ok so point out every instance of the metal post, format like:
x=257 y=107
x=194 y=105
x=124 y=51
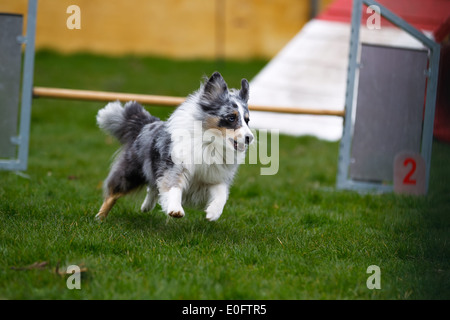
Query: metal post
x=345 y=145
x=27 y=88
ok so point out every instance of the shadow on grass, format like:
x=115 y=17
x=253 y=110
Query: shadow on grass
x=193 y=226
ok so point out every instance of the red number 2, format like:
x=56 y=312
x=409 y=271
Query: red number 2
x=408 y=179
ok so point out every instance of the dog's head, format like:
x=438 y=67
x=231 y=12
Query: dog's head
x=226 y=111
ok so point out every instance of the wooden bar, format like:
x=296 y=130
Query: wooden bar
x=295 y=110
x=89 y=95
x=105 y=96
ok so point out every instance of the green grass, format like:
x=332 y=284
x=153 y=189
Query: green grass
x=287 y=236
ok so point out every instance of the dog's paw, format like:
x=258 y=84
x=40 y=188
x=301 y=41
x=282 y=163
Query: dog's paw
x=213 y=214
x=176 y=212
x=100 y=216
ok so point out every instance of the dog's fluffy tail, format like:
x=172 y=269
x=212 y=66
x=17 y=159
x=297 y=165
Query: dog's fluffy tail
x=124 y=123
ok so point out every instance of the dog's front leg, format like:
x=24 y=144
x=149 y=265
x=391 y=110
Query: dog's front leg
x=218 y=195
x=174 y=208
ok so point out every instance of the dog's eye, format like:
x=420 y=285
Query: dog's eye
x=231 y=118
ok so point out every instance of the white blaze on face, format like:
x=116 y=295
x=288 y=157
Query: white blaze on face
x=244 y=130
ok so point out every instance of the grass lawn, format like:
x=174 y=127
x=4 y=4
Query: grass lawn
x=287 y=236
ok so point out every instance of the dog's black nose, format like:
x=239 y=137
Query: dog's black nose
x=248 y=139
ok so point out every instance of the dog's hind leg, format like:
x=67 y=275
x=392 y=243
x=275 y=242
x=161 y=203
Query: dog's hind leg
x=120 y=181
x=150 y=199
x=108 y=203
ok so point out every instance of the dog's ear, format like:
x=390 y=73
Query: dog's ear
x=215 y=87
x=243 y=93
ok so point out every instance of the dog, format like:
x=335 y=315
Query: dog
x=179 y=166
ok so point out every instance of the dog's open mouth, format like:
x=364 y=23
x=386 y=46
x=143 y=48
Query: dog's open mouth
x=238 y=146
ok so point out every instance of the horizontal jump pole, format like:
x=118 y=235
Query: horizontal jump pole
x=89 y=95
